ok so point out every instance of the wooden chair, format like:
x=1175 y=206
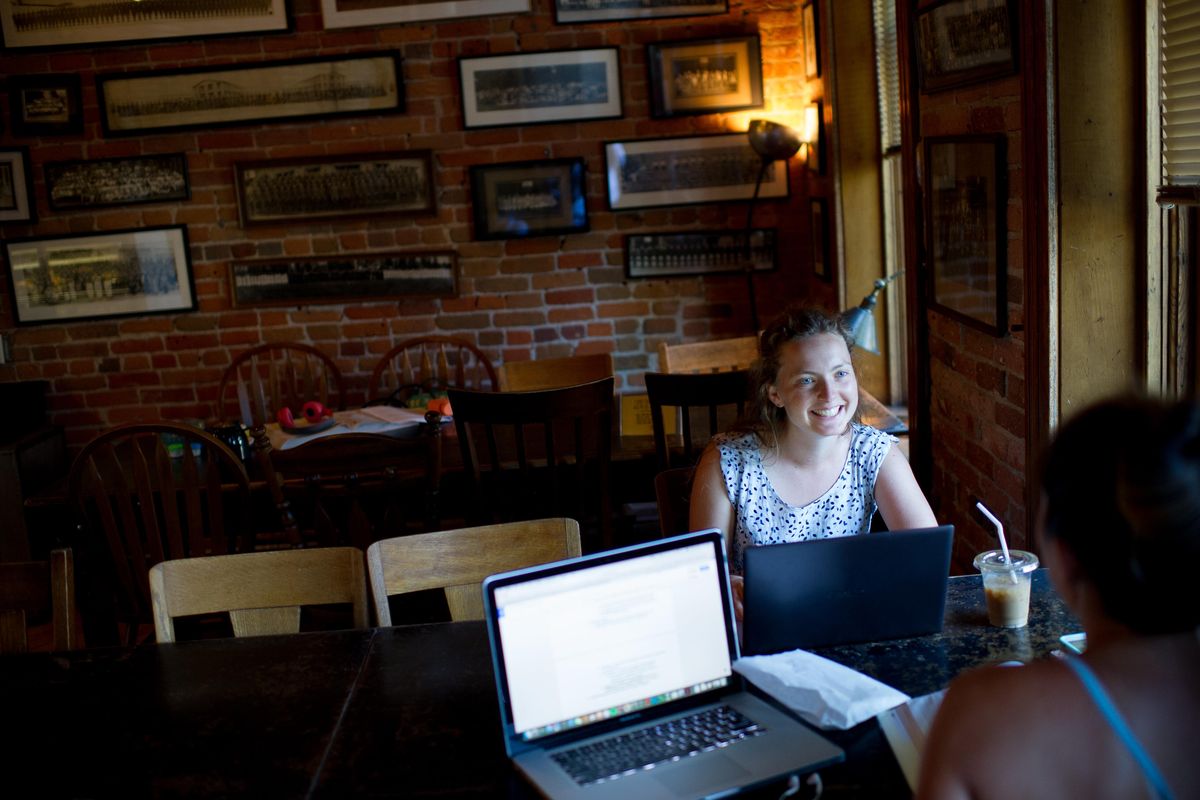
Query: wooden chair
x=673 y=493
x=554 y=373
x=263 y=592
x=138 y=506
x=714 y=356
x=33 y=590
x=262 y=380
x=458 y=560
x=356 y=488
x=722 y=395
x=435 y=362
x=538 y=454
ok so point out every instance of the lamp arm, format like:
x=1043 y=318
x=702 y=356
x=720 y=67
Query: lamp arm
x=747 y=250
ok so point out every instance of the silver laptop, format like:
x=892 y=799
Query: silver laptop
x=615 y=678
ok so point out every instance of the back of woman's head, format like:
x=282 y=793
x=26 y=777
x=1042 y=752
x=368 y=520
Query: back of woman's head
x=1122 y=490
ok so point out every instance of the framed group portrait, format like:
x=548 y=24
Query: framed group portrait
x=131 y=180
x=684 y=253
x=529 y=198
x=343 y=277
x=16 y=186
x=363 y=13
x=704 y=76
x=961 y=42
x=567 y=12
x=45 y=105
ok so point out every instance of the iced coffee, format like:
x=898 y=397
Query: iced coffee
x=1006 y=584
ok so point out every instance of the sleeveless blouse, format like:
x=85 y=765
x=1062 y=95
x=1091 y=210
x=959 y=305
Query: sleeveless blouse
x=763 y=517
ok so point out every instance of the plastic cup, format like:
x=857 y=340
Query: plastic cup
x=1006 y=586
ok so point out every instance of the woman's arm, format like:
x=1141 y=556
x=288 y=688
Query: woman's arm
x=900 y=499
x=710 y=507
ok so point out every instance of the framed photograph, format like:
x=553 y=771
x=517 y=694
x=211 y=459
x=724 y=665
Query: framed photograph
x=335 y=187
x=234 y=94
x=363 y=13
x=567 y=12
x=529 y=88
x=812 y=40
x=669 y=255
x=529 y=198
x=45 y=105
x=72 y=23
x=16 y=186
x=116 y=181
x=965 y=198
x=344 y=277
x=82 y=276
x=961 y=42
x=820 y=239
x=704 y=76
x=686 y=170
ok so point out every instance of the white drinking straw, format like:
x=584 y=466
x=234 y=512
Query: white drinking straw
x=1000 y=533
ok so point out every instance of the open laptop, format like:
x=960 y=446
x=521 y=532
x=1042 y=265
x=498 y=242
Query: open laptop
x=603 y=653
x=865 y=588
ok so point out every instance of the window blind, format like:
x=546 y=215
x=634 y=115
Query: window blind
x=887 y=74
x=1179 y=82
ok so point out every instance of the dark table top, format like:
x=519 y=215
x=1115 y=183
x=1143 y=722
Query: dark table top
x=403 y=712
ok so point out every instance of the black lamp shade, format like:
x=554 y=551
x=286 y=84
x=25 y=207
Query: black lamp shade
x=773 y=141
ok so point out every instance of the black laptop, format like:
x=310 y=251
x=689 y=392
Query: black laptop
x=865 y=588
x=615 y=676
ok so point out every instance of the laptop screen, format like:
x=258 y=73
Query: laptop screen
x=612 y=637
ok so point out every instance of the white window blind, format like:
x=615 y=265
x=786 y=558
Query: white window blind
x=887 y=74
x=1179 y=77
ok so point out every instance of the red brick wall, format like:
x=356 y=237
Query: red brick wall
x=539 y=297
x=977 y=380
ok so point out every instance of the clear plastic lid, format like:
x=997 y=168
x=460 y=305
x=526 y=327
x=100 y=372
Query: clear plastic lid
x=1019 y=561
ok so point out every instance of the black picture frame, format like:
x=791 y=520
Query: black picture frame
x=966 y=233
x=687 y=253
x=960 y=42
x=345 y=277
x=704 y=76
x=811 y=20
x=710 y=168
x=569 y=12
x=333 y=187
x=544 y=87
x=100 y=275
x=819 y=213
x=45 y=105
x=529 y=198
x=17 y=202
x=352 y=84
x=122 y=181
x=349 y=14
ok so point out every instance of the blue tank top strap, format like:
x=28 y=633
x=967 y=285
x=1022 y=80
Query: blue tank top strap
x=1104 y=703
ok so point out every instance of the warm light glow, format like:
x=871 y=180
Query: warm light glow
x=812 y=125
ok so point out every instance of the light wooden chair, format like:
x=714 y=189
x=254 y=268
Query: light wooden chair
x=435 y=362
x=35 y=589
x=262 y=380
x=263 y=592
x=719 y=355
x=554 y=373
x=457 y=561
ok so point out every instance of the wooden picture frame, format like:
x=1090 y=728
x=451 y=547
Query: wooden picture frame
x=544 y=87
x=87 y=276
x=714 y=168
x=567 y=12
x=73 y=23
x=812 y=39
x=960 y=42
x=17 y=203
x=353 y=84
x=529 y=198
x=364 y=13
x=966 y=234
x=819 y=213
x=333 y=187
x=704 y=76
x=127 y=181
x=343 y=278
x=45 y=105
x=685 y=253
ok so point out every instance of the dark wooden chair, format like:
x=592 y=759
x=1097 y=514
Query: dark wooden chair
x=718 y=397
x=262 y=592
x=32 y=591
x=356 y=488
x=262 y=380
x=139 y=505
x=531 y=455
x=673 y=494
x=430 y=362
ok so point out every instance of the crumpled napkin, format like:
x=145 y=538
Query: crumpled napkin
x=823 y=692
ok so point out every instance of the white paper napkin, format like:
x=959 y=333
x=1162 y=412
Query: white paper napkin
x=823 y=692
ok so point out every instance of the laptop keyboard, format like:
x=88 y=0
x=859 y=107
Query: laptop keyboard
x=627 y=753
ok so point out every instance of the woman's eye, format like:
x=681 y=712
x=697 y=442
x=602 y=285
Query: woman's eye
x=842 y=373
x=806 y=381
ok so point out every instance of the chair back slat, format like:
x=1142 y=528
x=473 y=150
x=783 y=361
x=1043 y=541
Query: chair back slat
x=261 y=380
x=441 y=362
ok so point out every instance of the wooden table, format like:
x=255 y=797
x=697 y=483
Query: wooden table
x=393 y=712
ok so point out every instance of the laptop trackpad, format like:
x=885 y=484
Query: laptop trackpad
x=704 y=775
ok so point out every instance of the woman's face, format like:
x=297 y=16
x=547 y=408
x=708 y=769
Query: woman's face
x=816 y=385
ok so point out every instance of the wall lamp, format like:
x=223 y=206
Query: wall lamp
x=772 y=142
x=861 y=318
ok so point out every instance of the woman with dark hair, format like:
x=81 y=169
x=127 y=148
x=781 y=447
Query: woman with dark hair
x=1120 y=533
x=803 y=468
